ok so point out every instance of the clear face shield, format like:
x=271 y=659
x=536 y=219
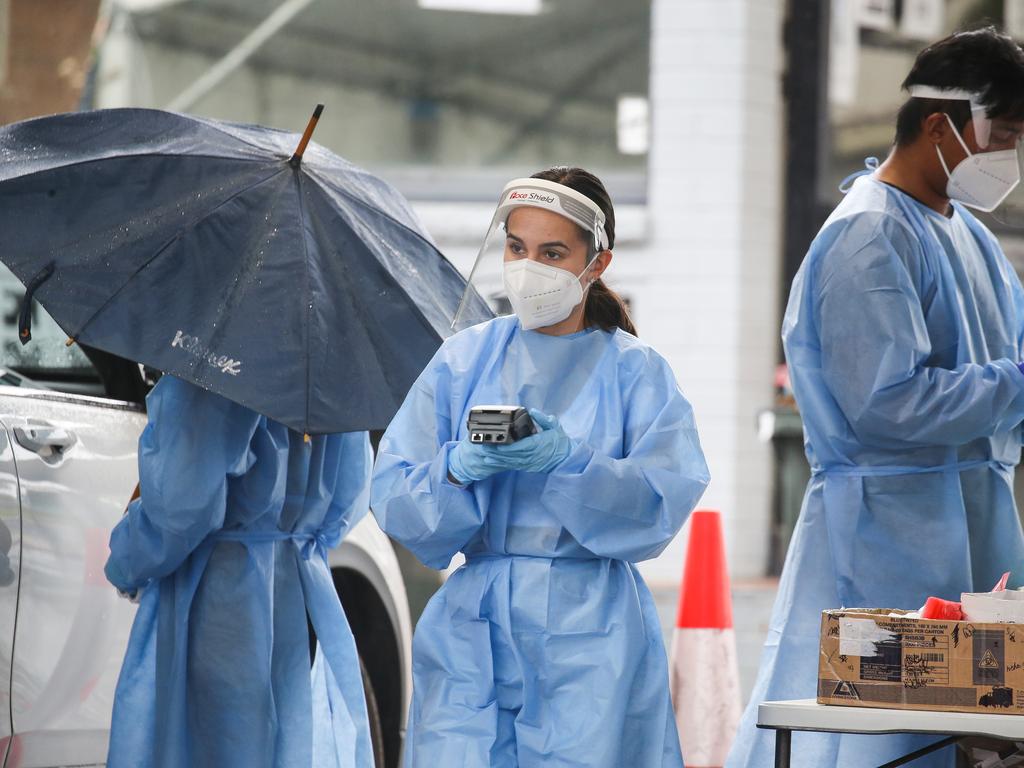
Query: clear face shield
x=991 y=135
x=536 y=256
x=991 y=169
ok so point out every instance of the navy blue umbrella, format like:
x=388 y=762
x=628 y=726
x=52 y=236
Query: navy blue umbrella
x=285 y=279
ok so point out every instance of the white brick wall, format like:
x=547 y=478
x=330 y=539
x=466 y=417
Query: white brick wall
x=716 y=209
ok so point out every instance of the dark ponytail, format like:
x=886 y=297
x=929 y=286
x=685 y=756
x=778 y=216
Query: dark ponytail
x=604 y=307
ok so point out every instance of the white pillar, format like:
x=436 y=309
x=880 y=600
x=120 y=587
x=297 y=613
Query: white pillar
x=710 y=271
x=120 y=66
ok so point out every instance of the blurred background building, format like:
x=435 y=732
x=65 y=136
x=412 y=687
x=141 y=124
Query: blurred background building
x=721 y=127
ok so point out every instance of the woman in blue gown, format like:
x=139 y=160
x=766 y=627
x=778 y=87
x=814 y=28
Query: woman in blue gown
x=225 y=551
x=545 y=647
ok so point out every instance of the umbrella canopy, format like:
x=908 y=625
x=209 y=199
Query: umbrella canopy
x=305 y=290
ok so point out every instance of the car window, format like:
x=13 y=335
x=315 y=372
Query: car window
x=49 y=362
x=46 y=358
x=12 y=379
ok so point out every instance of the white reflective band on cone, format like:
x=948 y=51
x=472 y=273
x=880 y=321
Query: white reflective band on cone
x=705 y=683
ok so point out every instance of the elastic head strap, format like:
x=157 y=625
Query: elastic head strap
x=958 y=138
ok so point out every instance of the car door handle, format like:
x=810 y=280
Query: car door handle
x=42 y=438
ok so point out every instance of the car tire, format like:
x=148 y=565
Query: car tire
x=373 y=716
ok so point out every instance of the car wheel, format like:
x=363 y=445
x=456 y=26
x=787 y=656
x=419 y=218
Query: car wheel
x=373 y=715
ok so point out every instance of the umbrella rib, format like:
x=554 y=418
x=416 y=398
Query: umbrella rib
x=395 y=280
x=412 y=231
x=139 y=155
x=312 y=174
x=167 y=245
x=219 y=129
x=355 y=301
x=309 y=292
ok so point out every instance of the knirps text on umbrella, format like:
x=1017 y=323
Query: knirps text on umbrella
x=194 y=346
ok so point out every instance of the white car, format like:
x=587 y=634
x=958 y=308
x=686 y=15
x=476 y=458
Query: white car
x=67 y=470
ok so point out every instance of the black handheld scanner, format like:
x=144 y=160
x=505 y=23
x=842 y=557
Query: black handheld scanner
x=499 y=424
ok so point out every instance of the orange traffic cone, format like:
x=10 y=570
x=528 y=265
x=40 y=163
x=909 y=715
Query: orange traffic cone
x=704 y=677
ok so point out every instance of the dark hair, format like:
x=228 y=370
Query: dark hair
x=604 y=307
x=981 y=61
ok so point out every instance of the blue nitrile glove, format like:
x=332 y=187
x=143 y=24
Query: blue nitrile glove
x=540 y=452
x=132 y=597
x=1020 y=367
x=468 y=462
x=121 y=584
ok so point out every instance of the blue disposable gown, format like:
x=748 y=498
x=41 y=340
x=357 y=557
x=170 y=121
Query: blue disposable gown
x=545 y=647
x=228 y=544
x=902 y=333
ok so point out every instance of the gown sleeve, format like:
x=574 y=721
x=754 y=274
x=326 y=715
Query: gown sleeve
x=631 y=508
x=412 y=498
x=194 y=442
x=350 y=495
x=1017 y=292
x=1018 y=306
x=875 y=348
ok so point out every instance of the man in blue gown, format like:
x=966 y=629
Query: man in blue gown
x=903 y=336
x=226 y=553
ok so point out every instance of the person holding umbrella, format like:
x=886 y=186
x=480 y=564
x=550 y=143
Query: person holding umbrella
x=290 y=298
x=545 y=648
x=225 y=551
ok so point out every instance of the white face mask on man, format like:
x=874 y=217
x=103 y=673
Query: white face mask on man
x=983 y=180
x=540 y=294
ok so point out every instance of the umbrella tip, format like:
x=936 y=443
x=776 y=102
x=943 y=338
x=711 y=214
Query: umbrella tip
x=70 y=342
x=307 y=134
x=306 y=438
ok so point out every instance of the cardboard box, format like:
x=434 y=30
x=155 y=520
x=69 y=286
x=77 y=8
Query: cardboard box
x=871 y=659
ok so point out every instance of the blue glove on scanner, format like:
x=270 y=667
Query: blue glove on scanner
x=540 y=452
x=468 y=462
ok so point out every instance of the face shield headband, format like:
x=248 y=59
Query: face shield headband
x=552 y=196
x=979 y=114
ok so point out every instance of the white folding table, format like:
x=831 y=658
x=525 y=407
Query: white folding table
x=784 y=717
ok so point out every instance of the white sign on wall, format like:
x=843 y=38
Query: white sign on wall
x=1013 y=15
x=923 y=19
x=877 y=14
x=843 y=53
x=633 y=125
